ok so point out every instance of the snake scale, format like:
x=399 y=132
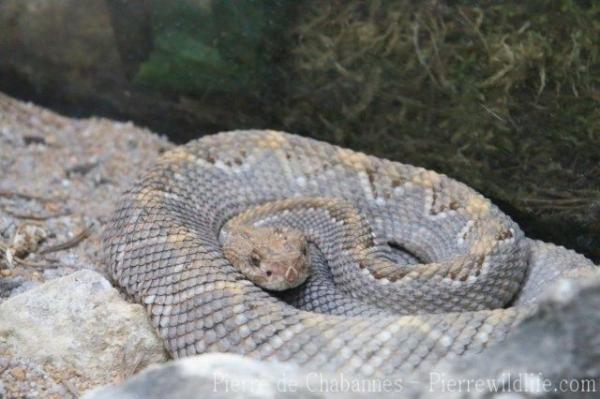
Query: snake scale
x=409 y=267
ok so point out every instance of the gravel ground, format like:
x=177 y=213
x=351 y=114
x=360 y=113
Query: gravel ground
x=59 y=178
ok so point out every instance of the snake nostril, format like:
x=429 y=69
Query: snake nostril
x=291 y=274
x=269 y=273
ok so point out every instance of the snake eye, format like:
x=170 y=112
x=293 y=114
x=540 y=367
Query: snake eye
x=255 y=260
x=304 y=250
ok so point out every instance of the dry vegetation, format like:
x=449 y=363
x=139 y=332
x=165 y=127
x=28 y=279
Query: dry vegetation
x=504 y=97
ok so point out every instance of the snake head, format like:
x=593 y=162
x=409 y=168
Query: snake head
x=274 y=258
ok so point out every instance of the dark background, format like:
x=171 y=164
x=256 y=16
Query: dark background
x=501 y=95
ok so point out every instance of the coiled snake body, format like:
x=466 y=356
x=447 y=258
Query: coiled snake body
x=409 y=267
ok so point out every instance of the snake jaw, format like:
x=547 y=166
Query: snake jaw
x=277 y=274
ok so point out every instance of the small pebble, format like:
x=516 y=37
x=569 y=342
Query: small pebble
x=18 y=373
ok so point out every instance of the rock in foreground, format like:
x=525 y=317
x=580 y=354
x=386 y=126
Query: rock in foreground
x=79 y=324
x=220 y=375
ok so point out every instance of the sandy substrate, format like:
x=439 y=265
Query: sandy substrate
x=59 y=179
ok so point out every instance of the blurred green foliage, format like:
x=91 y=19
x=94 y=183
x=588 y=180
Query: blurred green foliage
x=222 y=46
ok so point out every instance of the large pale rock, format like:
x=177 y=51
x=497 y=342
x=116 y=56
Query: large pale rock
x=80 y=322
x=221 y=375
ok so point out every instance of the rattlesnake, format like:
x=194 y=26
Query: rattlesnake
x=408 y=266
